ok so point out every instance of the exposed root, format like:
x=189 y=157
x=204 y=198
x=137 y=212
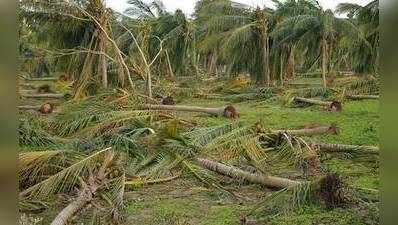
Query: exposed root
x=329 y=190
x=231 y=112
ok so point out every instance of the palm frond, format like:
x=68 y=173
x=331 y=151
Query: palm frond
x=66 y=179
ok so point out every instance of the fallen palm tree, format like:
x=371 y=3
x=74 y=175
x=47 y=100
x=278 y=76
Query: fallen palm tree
x=40 y=79
x=347 y=148
x=332 y=106
x=46 y=108
x=362 y=97
x=332 y=129
x=228 y=111
x=44 y=96
x=326 y=188
x=233 y=172
x=99 y=178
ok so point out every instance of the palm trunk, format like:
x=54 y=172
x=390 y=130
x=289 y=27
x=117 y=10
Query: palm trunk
x=236 y=173
x=172 y=76
x=68 y=212
x=281 y=70
x=211 y=111
x=103 y=64
x=266 y=59
x=40 y=79
x=44 y=96
x=311 y=131
x=347 y=148
x=149 y=83
x=333 y=106
x=324 y=62
x=86 y=195
x=362 y=97
x=293 y=63
x=213 y=62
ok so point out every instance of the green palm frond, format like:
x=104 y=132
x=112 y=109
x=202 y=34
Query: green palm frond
x=66 y=179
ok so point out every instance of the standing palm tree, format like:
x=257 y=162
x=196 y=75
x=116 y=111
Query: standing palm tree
x=244 y=37
x=78 y=32
x=366 y=18
x=312 y=29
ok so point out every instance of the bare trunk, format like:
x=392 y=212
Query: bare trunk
x=44 y=96
x=293 y=63
x=333 y=106
x=233 y=172
x=103 y=64
x=149 y=83
x=311 y=131
x=41 y=79
x=266 y=59
x=362 y=97
x=29 y=107
x=281 y=70
x=172 y=76
x=211 y=111
x=324 y=62
x=347 y=148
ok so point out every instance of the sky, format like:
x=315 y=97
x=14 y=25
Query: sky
x=187 y=6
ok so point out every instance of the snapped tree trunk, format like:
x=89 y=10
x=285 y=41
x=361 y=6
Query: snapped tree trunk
x=222 y=111
x=333 y=106
x=332 y=129
x=233 y=172
x=347 y=148
x=362 y=97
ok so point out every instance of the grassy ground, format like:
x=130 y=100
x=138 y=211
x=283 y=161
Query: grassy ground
x=189 y=202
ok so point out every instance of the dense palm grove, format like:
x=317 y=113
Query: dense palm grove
x=114 y=125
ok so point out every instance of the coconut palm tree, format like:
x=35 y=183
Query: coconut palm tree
x=78 y=33
x=244 y=37
x=366 y=18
